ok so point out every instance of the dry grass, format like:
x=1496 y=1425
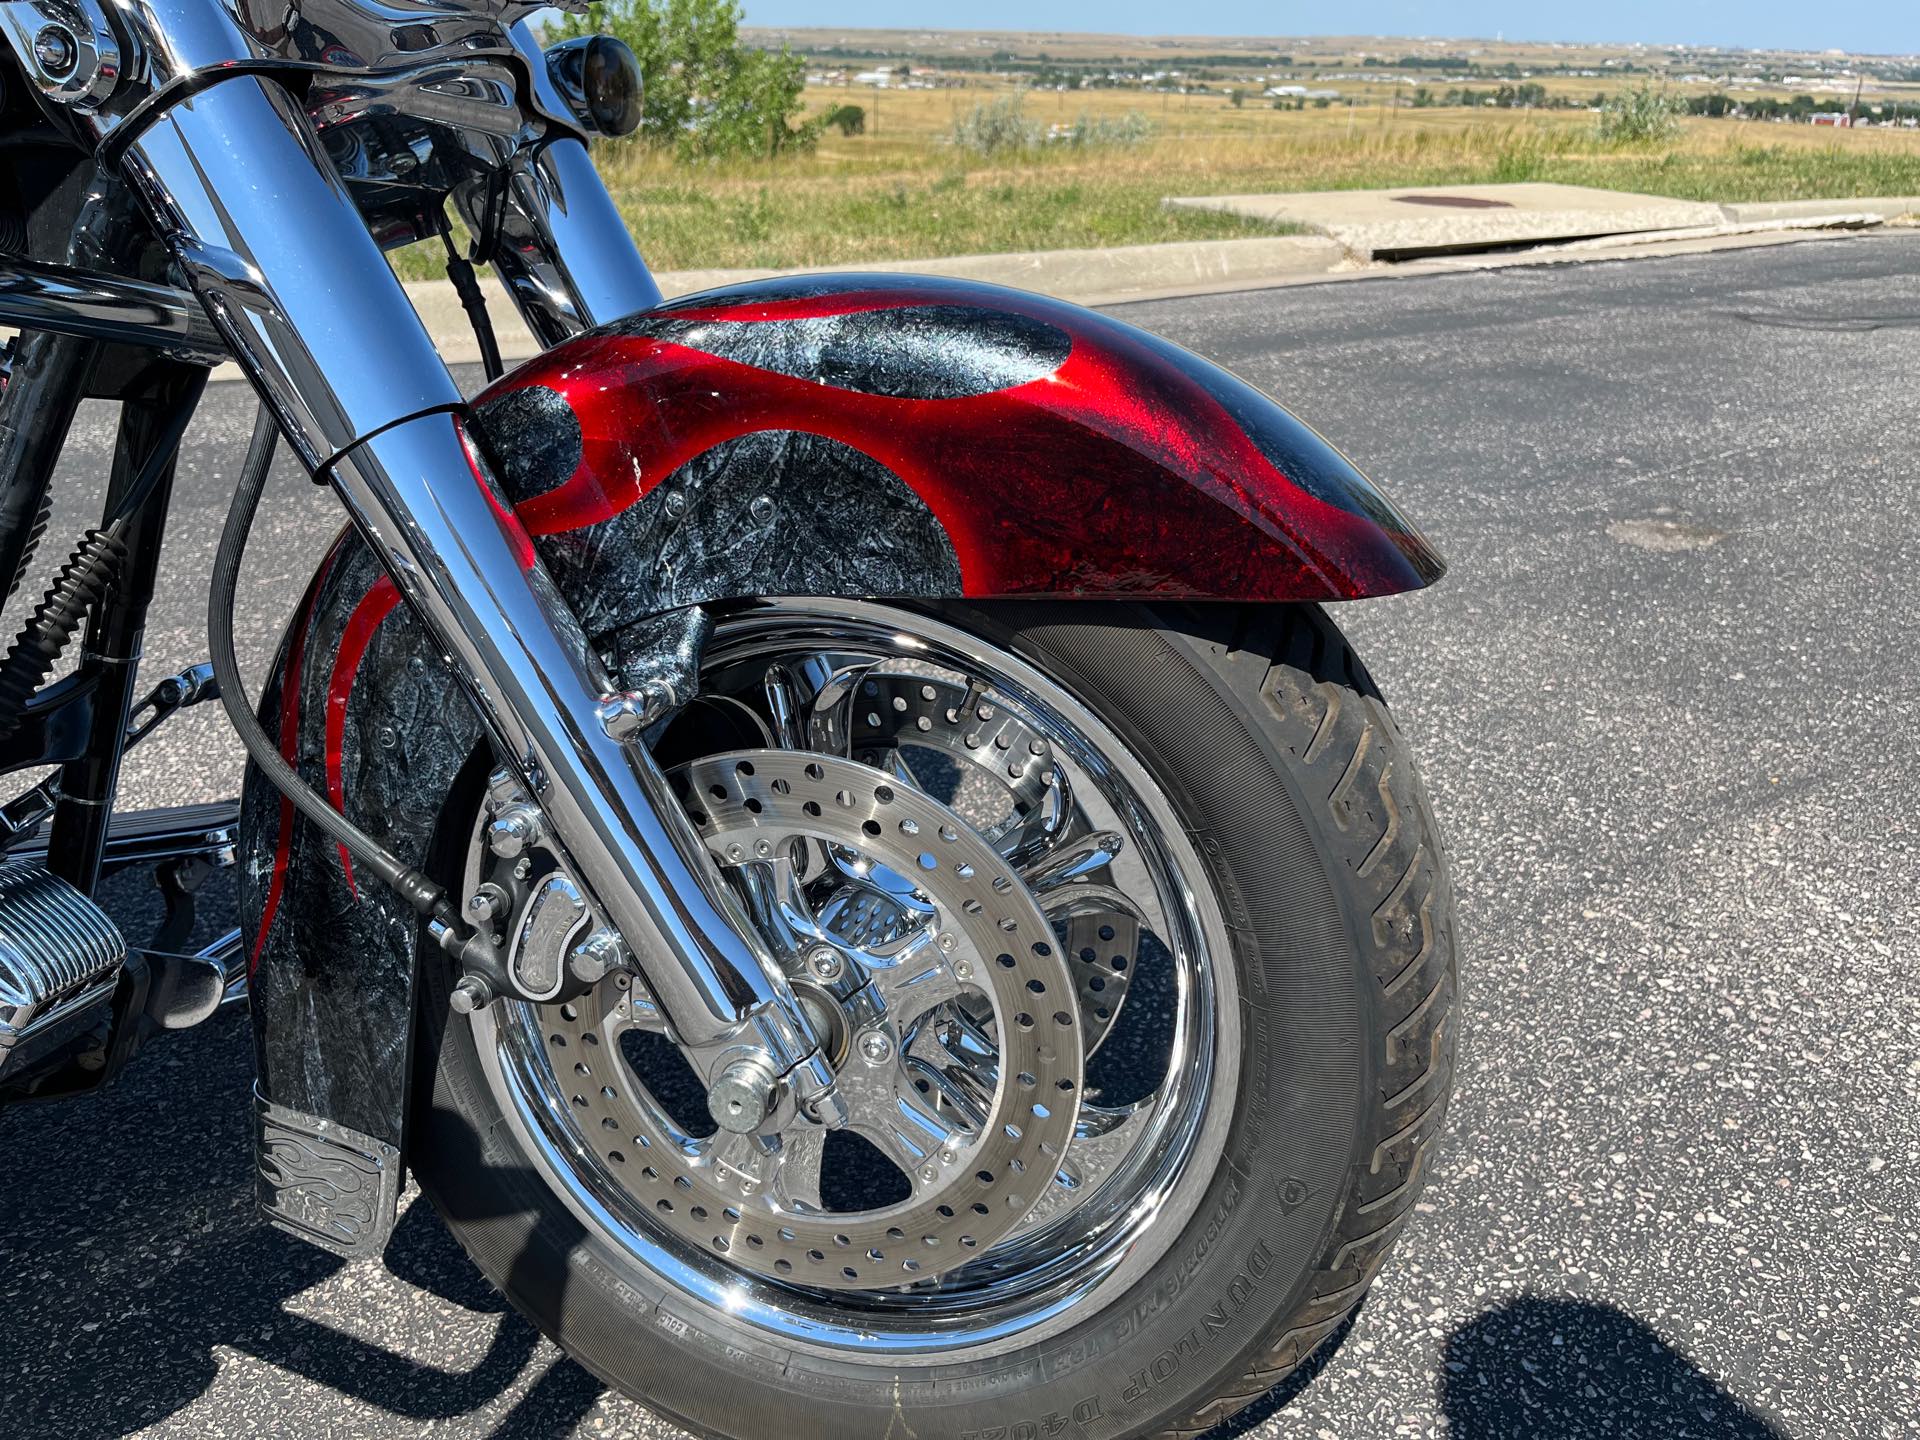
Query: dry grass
x=901 y=192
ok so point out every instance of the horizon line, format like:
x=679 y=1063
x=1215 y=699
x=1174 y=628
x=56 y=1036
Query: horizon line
x=1830 y=50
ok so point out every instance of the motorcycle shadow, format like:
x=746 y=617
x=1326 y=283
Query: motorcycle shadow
x=133 y=1268
x=1547 y=1366
x=1538 y=1368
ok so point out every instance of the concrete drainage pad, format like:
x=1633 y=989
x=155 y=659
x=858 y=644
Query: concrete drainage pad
x=1446 y=219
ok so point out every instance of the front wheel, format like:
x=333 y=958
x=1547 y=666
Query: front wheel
x=1129 y=934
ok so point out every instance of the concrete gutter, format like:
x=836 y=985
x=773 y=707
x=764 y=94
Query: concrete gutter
x=1650 y=246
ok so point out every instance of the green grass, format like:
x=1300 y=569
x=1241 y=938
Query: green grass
x=909 y=196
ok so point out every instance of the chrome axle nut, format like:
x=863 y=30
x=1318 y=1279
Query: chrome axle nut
x=742 y=1098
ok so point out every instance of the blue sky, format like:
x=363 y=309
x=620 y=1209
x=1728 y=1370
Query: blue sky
x=1879 y=26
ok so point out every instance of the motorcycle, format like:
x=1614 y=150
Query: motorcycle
x=824 y=821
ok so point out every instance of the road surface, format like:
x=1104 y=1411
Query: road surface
x=1668 y=707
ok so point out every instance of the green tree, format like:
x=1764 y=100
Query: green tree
x=706 y=93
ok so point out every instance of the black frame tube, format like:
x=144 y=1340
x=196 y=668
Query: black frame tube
x=37 y=408
x=116 y=630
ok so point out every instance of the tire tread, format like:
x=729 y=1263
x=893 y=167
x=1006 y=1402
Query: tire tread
x=1322 y=707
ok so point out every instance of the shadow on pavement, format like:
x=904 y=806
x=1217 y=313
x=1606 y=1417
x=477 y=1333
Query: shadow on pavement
x=1556 y=1369
x=132 y=1253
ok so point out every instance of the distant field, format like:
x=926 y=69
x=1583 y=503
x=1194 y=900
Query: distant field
x=901 y=191
x=904 y=193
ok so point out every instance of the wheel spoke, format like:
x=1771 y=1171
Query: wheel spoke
x=781 y=691
x=1071 y=861
x=1102 y=1139
x=1099 y=930
x=916 y=978
x=1042 y=830
x=777 y=901
x=960 y=1061
x=887 y=1110
x=829 y=712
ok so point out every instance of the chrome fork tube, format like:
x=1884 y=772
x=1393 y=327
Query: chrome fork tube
x=421 y=493
x=237 y=183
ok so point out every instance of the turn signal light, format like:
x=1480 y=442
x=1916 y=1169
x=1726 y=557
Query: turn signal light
x=599 y=78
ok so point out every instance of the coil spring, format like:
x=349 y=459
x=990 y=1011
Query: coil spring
x=35 y=533
x=93 y=566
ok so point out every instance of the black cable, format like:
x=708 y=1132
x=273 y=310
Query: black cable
x=165 y=446
x=493 y=216
x=419 y=891
x=460 y=272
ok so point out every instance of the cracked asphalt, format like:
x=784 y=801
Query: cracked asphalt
x=1666 y=704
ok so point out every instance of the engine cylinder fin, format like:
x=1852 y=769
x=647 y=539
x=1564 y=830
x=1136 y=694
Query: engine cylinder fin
x=58 y=952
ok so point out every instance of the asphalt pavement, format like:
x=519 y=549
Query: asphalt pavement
x=1666 y=704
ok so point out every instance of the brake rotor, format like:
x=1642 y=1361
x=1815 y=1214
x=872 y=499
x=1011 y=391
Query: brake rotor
x=820 y=836
x=890 y=711
x=882 y=715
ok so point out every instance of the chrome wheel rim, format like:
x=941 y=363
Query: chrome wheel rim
x=1100 y=849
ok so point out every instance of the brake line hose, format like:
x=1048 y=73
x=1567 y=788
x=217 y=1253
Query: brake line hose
x=419 y=891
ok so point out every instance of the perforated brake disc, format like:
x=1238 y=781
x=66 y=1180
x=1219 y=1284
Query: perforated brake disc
x=1002 y=762
x=808 y=838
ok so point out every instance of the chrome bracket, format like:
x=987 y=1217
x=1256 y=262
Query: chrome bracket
x=324 y=1182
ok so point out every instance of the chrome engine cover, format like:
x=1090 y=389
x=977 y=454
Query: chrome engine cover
x=59 y=958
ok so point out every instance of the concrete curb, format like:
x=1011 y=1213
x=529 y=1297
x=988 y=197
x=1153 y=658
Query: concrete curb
x=1894 y=208
x=1184 y=268
x=1087 y=277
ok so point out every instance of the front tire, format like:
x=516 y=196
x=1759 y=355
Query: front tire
x=1276 y=759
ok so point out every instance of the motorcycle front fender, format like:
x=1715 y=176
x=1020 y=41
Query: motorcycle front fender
x=885 y=437
x=938 y=438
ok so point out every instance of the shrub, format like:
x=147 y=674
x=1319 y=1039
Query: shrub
x=1001 y=127
x=1642 y=115
x=1101 y=132
x=847 y=119
x=995 y=127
